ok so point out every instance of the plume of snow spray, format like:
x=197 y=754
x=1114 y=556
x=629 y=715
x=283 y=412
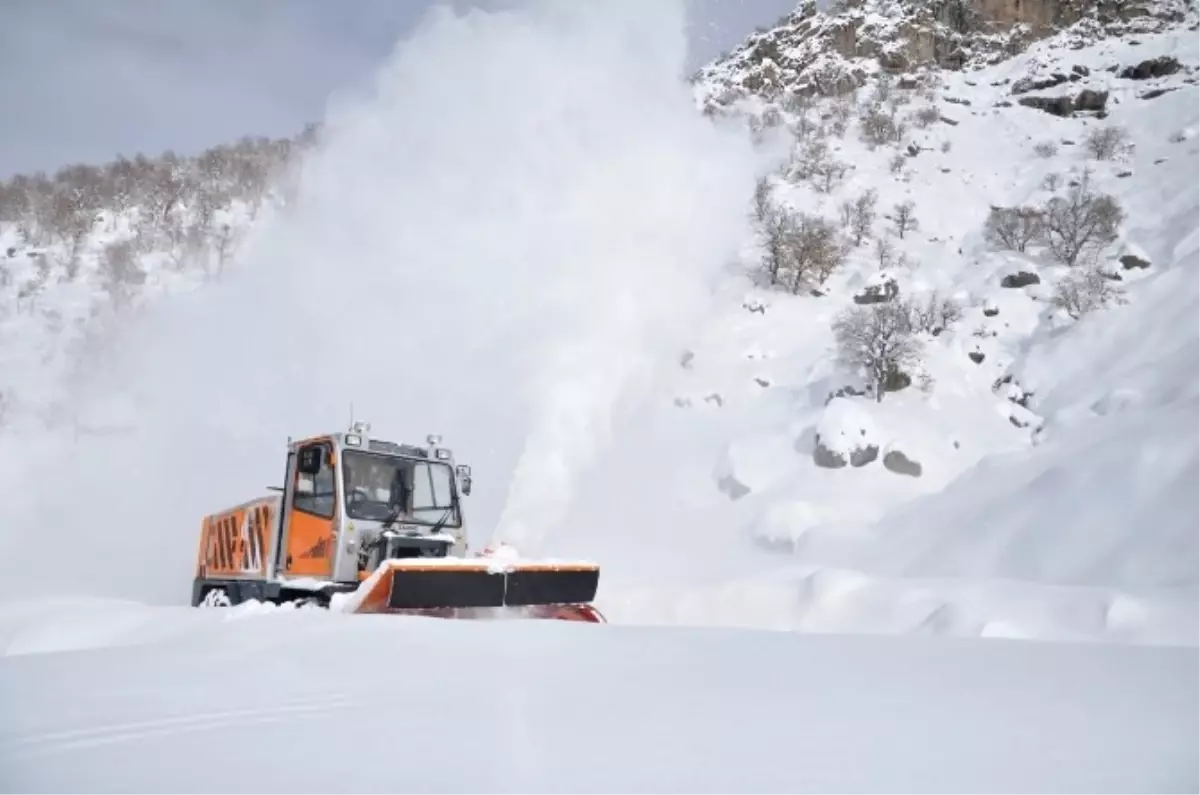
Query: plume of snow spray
x=497 y=246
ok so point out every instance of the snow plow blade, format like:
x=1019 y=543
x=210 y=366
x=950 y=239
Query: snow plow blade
x=480 y=589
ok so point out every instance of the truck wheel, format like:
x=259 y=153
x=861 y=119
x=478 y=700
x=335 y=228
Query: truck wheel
x=216 y=597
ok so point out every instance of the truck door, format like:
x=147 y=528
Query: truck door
x=310 y=537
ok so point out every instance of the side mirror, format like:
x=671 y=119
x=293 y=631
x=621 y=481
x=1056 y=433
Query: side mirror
x=466 y=487
x=311 y=459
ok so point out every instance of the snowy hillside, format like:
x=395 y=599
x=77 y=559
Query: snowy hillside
x=1043 y=461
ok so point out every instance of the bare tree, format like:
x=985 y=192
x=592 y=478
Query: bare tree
x=816 y=252
x=1083 y=291
x=878 y=341
x=1082 y=223
x=1013 y=228
x=862 y=216
x=827 y=174
x=903 y=216
x=885 y=252
x=778 y=230
x=1104 y=143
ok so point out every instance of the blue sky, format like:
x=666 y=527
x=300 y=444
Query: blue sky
x=84 y=80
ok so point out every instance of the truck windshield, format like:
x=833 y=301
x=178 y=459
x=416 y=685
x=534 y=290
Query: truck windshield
x=379 y=487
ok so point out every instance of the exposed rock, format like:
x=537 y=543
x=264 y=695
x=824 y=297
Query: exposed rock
x=1152 y=67
x=1131 y=261
x=1156 y=92
x=862 y=456
x=878 y=293
x=1091 y=100
x=896 y=380
x=845 y=391
x=826 y=458
x=1020 y=279
x=990 y=309
x=1056 y=106
x=1080 y=70
x=733 y=487
x=898 y=462
x=1027 y=84
x=715 y=398
x=976 y=356
x=685 y=361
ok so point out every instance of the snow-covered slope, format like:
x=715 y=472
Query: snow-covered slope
x=105 y=697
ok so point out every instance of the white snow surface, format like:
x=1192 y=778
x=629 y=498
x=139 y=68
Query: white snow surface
x=124 y=698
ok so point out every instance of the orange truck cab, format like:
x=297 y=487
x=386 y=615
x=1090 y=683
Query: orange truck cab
x=382 y=521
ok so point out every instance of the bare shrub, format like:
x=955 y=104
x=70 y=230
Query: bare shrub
x=120 y=273
x=1084 y=291
x=896 y=164
x=842 y=109
x=933 y=315
x=926 y=116
x=877 y=126
x=904 y=217
x=1045 y=148
x=1013 y=228
x=946 y=146
x=1051 y=181
x=862 y=215
x=876 y=340
x=1105 y=143
x=1081 y=224
x=761 y=207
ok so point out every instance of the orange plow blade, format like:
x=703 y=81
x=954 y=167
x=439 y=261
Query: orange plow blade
x=481 y=588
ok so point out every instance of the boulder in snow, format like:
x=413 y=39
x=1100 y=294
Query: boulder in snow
x=1152 y=67
x=1020 y=279
x=1091 y=100
x=898 y=462
x=1131 y=261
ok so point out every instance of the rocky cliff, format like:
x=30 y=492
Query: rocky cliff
x=810 y=51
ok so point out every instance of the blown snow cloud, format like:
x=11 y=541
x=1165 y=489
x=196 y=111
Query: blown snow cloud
x=499 y=246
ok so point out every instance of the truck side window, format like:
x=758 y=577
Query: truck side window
x=315 y=494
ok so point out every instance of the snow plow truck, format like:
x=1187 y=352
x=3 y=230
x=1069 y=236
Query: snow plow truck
x=363 y=525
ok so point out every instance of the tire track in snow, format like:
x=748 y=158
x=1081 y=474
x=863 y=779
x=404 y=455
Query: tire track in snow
x=48 y=743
